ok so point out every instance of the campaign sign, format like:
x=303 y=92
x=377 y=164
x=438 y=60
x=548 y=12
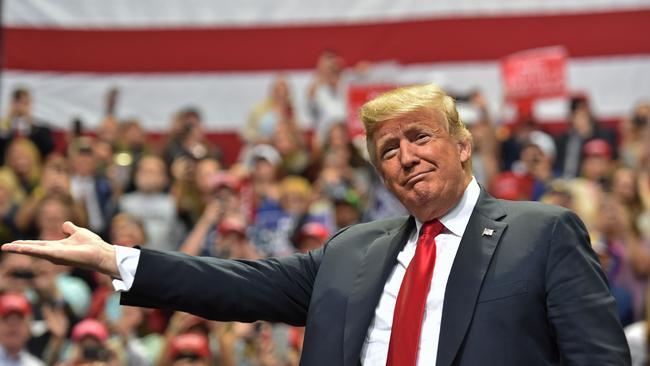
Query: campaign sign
x=357 y=96
x=535 y=73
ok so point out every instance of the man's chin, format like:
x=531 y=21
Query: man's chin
x=419 y=207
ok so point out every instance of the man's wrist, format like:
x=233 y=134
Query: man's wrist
x=109 y=263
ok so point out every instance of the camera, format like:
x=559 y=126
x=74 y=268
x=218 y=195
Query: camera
x=639 y=120
x=95 y=353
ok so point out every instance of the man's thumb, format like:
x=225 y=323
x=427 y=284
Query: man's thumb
x=69 y=228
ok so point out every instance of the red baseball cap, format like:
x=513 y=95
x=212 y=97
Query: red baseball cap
x=507 y=186
x=90 y=328
x=191 y=343
x=315 y=230
x=597 y=147
x=14 y=303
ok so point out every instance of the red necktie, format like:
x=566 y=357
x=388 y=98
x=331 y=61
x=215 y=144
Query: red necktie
x=412 y=297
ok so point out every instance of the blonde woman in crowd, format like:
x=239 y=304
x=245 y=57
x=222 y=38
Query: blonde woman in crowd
x=24 y=162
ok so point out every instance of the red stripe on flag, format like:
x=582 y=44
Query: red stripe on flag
x=275 y=48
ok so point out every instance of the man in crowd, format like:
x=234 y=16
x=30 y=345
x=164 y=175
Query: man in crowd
x=89 y=188
x=15 y=316
x=502 y=283
x=20 y=122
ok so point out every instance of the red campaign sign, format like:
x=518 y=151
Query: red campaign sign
x=534 y=73
x=357 y=96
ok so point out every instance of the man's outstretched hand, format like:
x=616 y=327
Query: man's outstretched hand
x=82 y=248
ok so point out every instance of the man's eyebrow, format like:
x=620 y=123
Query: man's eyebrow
x=415 y=127
x=385 y=139
x=419 y=127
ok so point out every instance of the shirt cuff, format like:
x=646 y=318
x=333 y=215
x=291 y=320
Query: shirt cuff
x=127 y=259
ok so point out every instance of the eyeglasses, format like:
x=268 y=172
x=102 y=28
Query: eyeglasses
x=22 y=274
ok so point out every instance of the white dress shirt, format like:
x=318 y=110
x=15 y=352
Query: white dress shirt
x=375 y=346
x=127 y=259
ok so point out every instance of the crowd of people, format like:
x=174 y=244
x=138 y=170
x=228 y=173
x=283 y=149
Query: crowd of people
x=287 y=192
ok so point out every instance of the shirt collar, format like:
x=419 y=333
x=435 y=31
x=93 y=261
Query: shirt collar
x=457 y=218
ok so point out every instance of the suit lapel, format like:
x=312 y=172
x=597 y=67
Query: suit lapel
x=467 y=273
x=372 y=274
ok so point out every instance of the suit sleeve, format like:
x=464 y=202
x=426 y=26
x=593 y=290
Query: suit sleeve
x=273 y=289
x=581 y=310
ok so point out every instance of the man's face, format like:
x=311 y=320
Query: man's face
x=84 y=163
x=126 y=233
x=16 y=272
x=421 y=163
x=22 y=107
x=596 y=167
x=19 y=159
x=151 y=176
x=51 y=216
x=56 y=178
x=14 y=331
x=264 y=171
x=346 y=215
x=134 y=136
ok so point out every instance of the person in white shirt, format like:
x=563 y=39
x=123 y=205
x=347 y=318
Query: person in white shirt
x=155 y=207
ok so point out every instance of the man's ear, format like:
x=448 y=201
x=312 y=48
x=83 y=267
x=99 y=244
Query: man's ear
x=379 y=174
x=465 y=149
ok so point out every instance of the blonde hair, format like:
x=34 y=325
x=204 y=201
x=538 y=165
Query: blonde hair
x=9 y=181
x=295 y=184
x=32 y=152
x=410 y=99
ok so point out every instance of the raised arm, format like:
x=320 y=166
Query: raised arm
x=82 y=249
x=272 y=289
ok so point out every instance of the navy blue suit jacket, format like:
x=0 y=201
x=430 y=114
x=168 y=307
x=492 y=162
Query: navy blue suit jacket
x=531 y=293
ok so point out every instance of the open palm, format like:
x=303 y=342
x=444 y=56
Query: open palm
x=82 y=248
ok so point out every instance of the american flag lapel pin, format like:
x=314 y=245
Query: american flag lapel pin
x=488 y=232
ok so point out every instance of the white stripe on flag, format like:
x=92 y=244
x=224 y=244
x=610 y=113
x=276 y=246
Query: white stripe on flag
x=613 y=83
x=211 y=13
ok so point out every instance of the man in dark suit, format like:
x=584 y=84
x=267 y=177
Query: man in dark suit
x=487 y=282
x=90 y=188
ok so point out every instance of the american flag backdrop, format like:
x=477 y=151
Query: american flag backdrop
x=222 y=55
